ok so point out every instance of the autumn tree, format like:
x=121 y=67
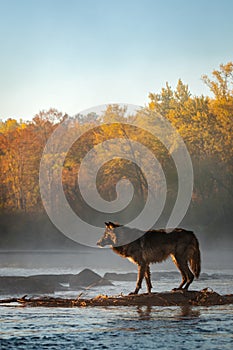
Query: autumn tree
x=204 y=123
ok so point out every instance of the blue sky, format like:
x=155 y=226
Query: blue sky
x=75 y=54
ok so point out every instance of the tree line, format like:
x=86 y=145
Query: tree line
x=204 y=123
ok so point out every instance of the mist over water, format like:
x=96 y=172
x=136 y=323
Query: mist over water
x=216 y=254
x=42 y=250
x=117 y=327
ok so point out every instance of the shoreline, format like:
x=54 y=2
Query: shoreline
x=205 y=297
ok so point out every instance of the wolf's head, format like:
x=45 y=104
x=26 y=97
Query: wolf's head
x=116 y=235
x=110 y=235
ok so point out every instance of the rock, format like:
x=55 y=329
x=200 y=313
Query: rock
x=87 y=278
x=47 y=284
x=132 y=276
x=112 y=276
x=25 y=285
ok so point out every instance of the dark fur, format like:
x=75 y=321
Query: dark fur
x=155 y=246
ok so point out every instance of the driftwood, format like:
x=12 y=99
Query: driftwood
x=205 y=297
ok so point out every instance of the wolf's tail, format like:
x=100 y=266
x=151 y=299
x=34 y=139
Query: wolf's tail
x=195 y=259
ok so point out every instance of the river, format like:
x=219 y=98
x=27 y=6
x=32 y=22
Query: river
x=119 y=327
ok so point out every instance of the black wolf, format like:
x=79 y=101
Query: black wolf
x=155 y=246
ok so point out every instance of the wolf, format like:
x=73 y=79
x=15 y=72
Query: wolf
x=155 y=246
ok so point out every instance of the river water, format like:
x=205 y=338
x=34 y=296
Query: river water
x=119 y=327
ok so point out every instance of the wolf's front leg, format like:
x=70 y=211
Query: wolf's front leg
x=148 y=279
x=141 y=273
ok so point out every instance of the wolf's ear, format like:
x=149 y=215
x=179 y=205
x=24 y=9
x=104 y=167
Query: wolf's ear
x=111 y=224
x=114 y=224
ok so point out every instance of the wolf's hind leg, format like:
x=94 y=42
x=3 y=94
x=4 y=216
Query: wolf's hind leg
x=190 y=279
x=148 y=279
x=183 y=274
x=187 y=276
x=188 y=272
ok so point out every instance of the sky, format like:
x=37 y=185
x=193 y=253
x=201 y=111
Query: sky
x=75 y=54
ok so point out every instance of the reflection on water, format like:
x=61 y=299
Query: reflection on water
x=188 y=312
x=144 y=313
x=179 y=313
